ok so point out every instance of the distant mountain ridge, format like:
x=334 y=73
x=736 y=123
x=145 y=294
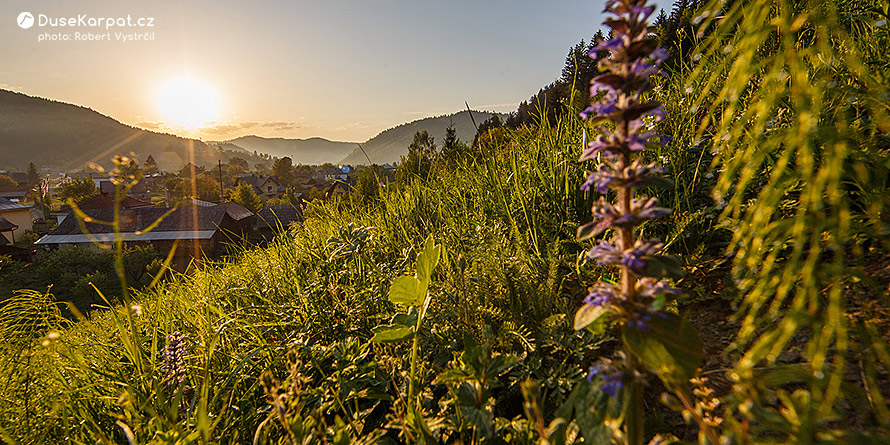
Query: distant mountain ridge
x=392 y=144
x=311 y=151
x=69 y=137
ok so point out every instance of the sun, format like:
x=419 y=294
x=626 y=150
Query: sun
x=187 y=102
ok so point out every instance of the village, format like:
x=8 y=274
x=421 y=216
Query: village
x=199 y=211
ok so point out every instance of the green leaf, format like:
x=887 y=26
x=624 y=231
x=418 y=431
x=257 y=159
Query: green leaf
x=662 y=266
x=588 y=314
x=409 y=319
x=452 y=376
x=391 y=333
x=428 y=259
x=407 y=290
x=588 y=230
x=671 y=347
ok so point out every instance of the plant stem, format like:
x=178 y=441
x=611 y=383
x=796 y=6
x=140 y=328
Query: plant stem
x=414 y=347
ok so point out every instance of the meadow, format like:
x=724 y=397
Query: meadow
x=777 y=152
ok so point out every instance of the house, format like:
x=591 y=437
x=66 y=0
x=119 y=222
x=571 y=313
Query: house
x=100 y=201
x=6 y=226
x=272 y=220
x=96 y=177
x=18 y=194
x=196 y=202
x=18 y=215
x=139 y=190
x=190 y=170
x=263 y=185
x=199 y=231
x=20 y=177
x=338 y=188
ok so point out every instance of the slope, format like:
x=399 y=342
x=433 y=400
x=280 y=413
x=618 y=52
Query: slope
x=390 y=145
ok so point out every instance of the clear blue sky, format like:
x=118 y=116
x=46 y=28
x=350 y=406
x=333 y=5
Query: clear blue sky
x=343 y=70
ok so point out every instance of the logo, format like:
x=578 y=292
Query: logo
x=25 y=20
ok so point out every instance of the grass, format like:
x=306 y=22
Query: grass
x=278 y=343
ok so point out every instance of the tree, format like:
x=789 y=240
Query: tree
x=207 y=188
x=493 y=122
x=244 y=195
x=190 y=170
x=77 y=189
x=452 y=147
x=368 y=184
x=450 y=136
x=174 y=188
x=421 y=154
x=150 y=167
x=283 y=169
x=33 y=175
x=239 y=163
x=6 y=181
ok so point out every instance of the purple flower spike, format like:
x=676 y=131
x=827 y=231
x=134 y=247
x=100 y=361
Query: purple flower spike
x=173 y=359
x=612 y=384
x=618 y=96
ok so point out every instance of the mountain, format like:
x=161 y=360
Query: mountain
x=390 y=145
x=312 y=151
x=69 y=137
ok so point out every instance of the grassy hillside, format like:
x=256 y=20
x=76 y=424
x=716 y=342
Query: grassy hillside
x=778 y=220
x=390 y=145
x=66 y=136
x=312 y=151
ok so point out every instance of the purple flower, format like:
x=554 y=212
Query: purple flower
x=659 y=56
x=601 y=179
x=640 y=321
x=597 y=146
x=613 y=380
x=644 y=208
x=602 y=294
x=605 y=253
x=603 y=108
x=606 y=45
x=651 y=288
x=612 y=383
x=633 y=258
x=642 y=12
x=173 y=359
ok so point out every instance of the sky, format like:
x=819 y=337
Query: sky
x=337 y=69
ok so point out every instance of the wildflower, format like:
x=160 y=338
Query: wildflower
x=613 y=381
x=618 y=95
x=173 y=359
x=650 y=288
x=640 y=321
x=602 y=294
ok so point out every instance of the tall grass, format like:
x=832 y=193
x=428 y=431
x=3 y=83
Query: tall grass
x=507 y=216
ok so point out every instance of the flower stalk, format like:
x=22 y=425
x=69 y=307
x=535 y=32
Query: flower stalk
x=625 y=118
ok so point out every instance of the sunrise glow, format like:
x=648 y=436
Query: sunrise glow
x=188 y=102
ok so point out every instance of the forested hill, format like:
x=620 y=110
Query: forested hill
x=66 y=136
x=311 y=151
x=390 y=145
